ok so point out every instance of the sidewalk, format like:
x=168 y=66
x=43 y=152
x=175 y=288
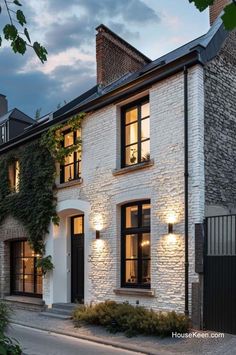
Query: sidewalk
x=146 y=345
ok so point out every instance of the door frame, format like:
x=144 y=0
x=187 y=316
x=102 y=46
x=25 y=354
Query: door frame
x=72 y=262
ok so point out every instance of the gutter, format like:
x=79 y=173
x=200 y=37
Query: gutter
x=186 y=176
x=128 y=89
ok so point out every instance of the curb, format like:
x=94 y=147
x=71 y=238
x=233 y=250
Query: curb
x=93 y=339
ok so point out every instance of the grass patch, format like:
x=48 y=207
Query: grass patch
x=123 y=317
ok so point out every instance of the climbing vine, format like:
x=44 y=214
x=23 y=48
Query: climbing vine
x=53 y=139
x=34 y=205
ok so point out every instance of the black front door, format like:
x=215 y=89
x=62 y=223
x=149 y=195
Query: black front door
x=77 y=259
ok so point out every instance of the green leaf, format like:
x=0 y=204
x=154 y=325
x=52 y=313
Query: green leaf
x=16 y=2
x=201 y=5
x=0 y=41
x=40 y=51
x=27 y=35
x=19 y=45
x=229 y=17
x=10 y=32
x=20 y=17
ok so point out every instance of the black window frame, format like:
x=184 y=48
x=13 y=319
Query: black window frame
x=76 y=164
x=13 y=272
x=140 y=230
x=138 y=103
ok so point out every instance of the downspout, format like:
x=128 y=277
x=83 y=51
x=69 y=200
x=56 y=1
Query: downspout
x=186 y=175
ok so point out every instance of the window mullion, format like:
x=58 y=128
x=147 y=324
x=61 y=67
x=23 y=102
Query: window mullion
x=139 y=134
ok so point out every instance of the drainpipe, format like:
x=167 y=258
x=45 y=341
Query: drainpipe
x=186 y=175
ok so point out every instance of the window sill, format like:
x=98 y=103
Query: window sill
x=69 y=184
x=129 y=169
x=135 y=292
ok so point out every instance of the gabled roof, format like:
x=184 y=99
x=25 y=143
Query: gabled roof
x=207 y=47
x=17 y=115
x=199 y=51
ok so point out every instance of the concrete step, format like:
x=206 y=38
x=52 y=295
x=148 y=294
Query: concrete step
x=65 y=306
x=55 y=315
x=60 y=310
x=65 y=312
x=27 y=303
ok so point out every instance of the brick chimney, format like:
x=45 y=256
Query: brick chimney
x=115 y=56
x=216 y=9
x=3 y=105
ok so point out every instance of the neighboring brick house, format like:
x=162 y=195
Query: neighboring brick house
x=158 y=157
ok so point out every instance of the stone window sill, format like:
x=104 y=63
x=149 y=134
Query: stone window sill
x=135 y=292
x=69 y=184
x=129 y=169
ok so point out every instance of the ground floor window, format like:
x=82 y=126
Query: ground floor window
x=26 y=278
x=135 y=245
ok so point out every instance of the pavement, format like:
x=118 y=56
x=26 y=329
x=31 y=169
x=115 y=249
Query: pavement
x=196 y=343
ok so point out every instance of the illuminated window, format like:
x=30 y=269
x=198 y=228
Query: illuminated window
x=71 y=169
x=14 y=176
x=135 y=243
x=135 y=133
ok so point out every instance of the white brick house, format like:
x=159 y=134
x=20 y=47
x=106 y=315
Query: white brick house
x=106 y=246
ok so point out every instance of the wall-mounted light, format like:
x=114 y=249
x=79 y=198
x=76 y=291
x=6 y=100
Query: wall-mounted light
x=98 y=224
x=170 y=228
x=171 y=220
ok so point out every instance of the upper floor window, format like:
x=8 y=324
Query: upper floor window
x=2 y=134
x=71 y=169
x=135 y=133
x=14 y=174
x=135 y=245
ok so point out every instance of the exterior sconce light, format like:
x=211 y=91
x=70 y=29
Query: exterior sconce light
x=98 y=225
x=171 y=220
x=170 y=228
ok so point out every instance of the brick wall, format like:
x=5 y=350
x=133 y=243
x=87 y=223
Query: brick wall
x=216 y=9
x=115 y=57
x=9 y=230
x=220 y=127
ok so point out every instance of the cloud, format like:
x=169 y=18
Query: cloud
x=31 y=90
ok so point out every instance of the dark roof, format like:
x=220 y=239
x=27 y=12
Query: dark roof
x=198 y=51
x=17 y=115
x=207 y=46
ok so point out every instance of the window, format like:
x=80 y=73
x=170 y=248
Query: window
x=3 y=134
x=135 y=245
x=14 y=174
x=71 y=169
x=26 y=278
x=135 y=133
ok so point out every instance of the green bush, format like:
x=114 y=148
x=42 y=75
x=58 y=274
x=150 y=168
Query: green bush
x=5 y=312
x=8 y=346
x=123 y=317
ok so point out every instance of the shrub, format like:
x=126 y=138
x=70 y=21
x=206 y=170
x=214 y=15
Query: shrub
x=5 y=312
x=8 y=346
x=123 y=317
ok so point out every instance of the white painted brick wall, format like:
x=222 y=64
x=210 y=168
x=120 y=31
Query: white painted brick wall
x=163 y=183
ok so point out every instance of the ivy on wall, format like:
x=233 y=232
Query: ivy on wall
x=34 y=205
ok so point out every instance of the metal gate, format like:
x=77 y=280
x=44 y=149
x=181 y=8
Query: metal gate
x=220 y=274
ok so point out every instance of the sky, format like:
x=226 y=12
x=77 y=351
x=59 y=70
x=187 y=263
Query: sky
x=67 y=29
